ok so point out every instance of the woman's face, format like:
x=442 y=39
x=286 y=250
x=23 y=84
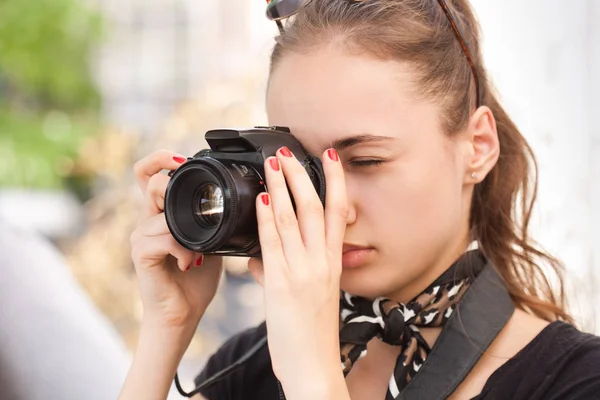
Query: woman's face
x=406 y=180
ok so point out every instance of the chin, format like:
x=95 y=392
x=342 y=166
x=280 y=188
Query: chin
x=370 y=282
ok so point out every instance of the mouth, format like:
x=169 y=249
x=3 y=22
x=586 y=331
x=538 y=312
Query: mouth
x=352 y=247
x=354 y=256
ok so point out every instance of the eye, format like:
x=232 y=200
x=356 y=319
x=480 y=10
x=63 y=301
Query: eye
x=365 y=163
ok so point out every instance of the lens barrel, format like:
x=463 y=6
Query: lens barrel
x=210 y=206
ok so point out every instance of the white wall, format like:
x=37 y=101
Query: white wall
x=593 y=98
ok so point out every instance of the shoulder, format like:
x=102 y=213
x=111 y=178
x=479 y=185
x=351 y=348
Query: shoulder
x=572 y=359
x=254 y=375
x=561 y=362
x=240 y=343
x=562 y=347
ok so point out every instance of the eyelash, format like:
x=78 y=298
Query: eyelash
x=365 y=163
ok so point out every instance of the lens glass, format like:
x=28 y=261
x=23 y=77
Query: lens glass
x=208 y=204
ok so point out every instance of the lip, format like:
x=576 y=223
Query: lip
x=354 y=256
x=350 y=247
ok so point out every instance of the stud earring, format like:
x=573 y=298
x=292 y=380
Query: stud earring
x=474 y=175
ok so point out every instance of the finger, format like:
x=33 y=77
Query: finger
x=271 y=244
x=309 y=208
x=255 y=266
x=152 y=250
x=154 y=199
x=154 y=163
x=198 y=260
x=280 y=212
x=336 y=202
x=154 y=226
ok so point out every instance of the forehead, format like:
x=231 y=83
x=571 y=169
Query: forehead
x=333 y=94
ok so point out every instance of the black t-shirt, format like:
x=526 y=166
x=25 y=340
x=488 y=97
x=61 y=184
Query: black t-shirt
x=560 y=363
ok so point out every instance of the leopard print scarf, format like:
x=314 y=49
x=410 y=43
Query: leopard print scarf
x=398 y=324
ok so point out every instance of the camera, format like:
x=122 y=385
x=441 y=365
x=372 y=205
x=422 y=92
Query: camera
x=210 y=199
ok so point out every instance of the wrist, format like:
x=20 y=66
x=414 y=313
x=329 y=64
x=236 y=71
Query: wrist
x=158 y=353
x=183 y=321
x=172 y=340
x=323 y=382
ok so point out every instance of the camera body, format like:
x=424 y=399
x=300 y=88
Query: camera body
x=210 y=202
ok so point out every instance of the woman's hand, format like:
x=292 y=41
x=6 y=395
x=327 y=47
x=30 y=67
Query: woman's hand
x=300 y=272
x=176 y=284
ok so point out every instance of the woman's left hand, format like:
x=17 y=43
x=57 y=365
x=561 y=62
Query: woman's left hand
x=300 y=273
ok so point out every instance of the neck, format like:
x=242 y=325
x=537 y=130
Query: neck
x=451 y=253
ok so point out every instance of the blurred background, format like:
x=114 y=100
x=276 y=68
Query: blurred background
x=88 y=87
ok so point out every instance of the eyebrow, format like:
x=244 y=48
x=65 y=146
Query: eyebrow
x=345 y=143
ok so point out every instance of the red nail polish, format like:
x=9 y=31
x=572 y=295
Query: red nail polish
x=265 y=199
x=285 y=152
x=199 y=261
x=188 y=267
x=333 y=154
x=274 y=163
x=180 y=160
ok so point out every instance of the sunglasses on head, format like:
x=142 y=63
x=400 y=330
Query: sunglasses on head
x=278 y=10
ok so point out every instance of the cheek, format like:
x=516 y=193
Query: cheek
x=421 y=195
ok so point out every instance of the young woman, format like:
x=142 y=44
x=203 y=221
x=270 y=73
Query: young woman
x=430 y=186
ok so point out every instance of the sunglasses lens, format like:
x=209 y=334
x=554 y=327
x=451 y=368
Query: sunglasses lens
x=280 y=9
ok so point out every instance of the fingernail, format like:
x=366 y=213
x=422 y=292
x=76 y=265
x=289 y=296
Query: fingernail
x=285 y=152
x=333 y=154
x=265 y=199
x=274 y=163
x=199 y=261
x=188 y=267
x=179 y=159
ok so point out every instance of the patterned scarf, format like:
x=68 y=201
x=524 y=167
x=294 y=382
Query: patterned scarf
x=398 y=324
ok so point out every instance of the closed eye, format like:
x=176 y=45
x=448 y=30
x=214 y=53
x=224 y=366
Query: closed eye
x=365 y=163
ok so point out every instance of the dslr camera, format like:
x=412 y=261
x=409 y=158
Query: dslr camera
x=210 y=200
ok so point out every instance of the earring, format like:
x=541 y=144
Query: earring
x=474 y=175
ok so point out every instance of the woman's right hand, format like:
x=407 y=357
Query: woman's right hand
x=176 y=284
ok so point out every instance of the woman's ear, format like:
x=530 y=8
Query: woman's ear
x=484 y=146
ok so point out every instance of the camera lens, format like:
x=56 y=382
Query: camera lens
x=210 y=206
x=208 y=203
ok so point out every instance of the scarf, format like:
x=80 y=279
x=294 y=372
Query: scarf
x=398 y=324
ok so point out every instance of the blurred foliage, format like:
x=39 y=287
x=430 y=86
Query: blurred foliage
x=48 y=101
x=44 y=49
x=38 y=150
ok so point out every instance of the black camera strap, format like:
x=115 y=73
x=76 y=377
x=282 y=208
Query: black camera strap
x=481 y=314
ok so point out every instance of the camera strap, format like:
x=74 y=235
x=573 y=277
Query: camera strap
x=481 y=315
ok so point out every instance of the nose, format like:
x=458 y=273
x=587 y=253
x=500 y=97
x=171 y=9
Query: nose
x=351 y=217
